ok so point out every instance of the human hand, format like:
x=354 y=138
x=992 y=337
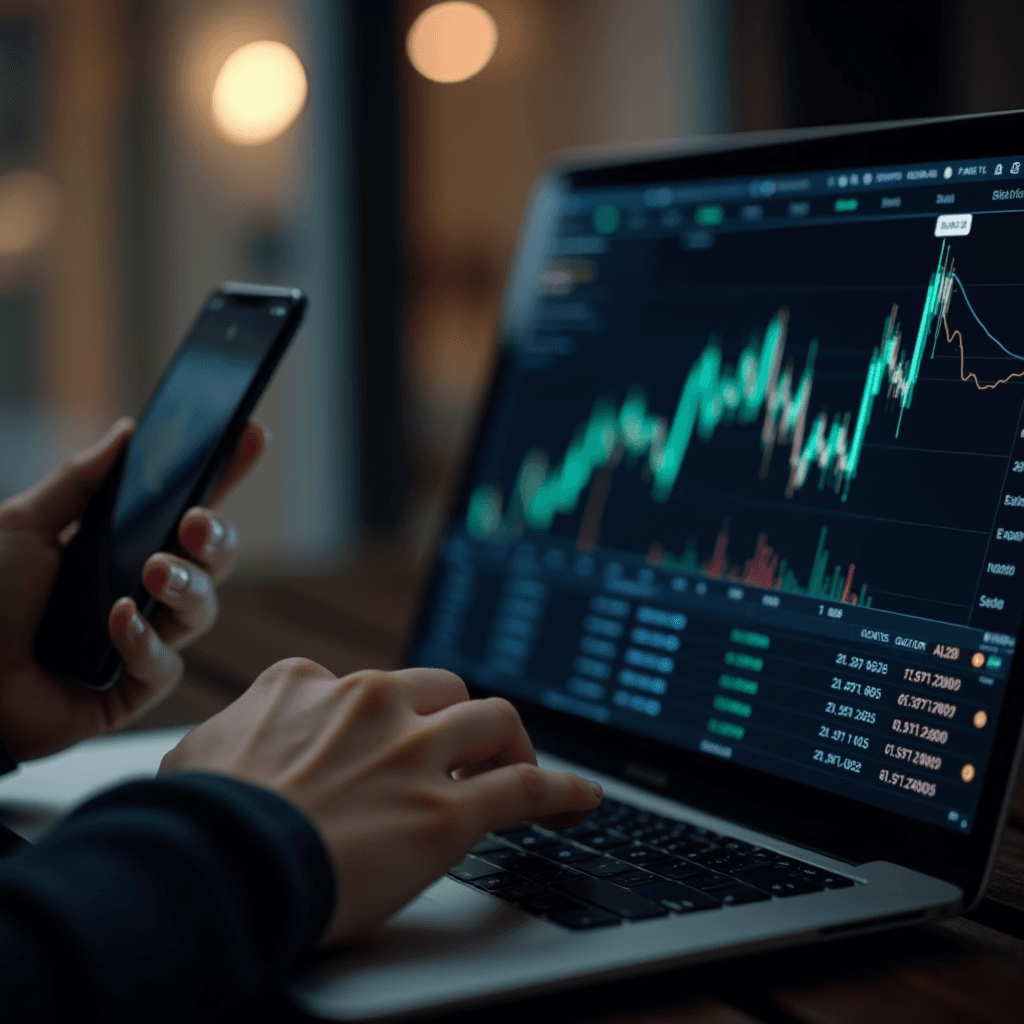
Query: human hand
x=400 y=771
x=40 y=714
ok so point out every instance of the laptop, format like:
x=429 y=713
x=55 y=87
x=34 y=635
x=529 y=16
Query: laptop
x=742 y=537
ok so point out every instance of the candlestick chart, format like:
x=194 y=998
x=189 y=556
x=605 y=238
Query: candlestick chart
x=836 y=428
x=761 y=387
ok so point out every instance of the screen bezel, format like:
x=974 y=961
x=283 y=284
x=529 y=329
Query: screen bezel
x=839 y=826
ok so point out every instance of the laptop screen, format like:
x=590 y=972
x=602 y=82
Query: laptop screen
x=751 y=482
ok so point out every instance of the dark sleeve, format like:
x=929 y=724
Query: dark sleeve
x=159 y=898
x=7 y=763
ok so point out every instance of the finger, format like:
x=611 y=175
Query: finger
x=60 y=497
x=524 y=792
x=248 y=448
x=430 y=689
x=481 y=730
x=187 y=592
x=150 y=665
x=210 y=539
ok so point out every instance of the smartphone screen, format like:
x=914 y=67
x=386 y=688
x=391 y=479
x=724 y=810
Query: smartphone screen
x=183 y=437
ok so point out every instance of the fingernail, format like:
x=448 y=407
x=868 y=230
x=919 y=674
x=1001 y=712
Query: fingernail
x=199 y=583
x=177 y=580
x=232 y=538
x=136 y=627
x=217 y=532
x=268 y=435
x=598 y=791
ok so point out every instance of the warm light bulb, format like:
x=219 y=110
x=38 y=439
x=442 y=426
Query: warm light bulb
x=258 y=93
x=451 y=42
x=28 y=211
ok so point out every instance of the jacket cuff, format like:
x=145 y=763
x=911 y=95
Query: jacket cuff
x=7 y=763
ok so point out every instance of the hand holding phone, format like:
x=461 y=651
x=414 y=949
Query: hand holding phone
x=106 y=582
x=39 y=714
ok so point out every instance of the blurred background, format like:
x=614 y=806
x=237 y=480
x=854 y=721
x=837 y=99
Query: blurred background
x=379 y=154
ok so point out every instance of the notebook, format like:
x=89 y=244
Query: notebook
x=741 y=536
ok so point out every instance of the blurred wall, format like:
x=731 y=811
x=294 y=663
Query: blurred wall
x=111 y=101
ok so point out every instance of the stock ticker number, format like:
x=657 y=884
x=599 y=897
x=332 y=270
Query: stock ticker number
x=851 y=686
x=932 y=707
x=842 y=736
x=918 y=757
x=936 y=679
x=848 y=711
x=922 y=732
x=855 y=661
x=907 y=782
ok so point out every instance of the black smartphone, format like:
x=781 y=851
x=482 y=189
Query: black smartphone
x=183 y=439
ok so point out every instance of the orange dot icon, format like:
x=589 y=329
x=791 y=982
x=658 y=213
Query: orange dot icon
x=967 y=773
x=980 y=719
x=978 y=660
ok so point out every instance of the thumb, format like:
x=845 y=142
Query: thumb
x=60 y=497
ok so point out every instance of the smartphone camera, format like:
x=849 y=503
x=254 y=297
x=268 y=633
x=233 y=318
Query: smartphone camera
x=278 y=311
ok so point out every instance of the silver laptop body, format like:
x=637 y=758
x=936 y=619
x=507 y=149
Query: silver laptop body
x=739 y=537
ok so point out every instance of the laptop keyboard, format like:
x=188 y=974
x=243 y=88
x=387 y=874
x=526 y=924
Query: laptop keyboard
x=624 y=864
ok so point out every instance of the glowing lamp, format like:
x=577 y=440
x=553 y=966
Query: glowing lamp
x=450 y=42
x=258 y=93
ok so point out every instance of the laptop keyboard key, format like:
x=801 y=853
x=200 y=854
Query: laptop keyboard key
x=607 y=841
x=469 y=869
x=554 y=873
x=549 y=903
x=637 y=876
x=710 y=881
x=503 y=856
x=534 y=840
x=676 y=867
x=604 y=867
x=829 y=879
x=524 y=864
x=641 y=854
x=677 y=897
x=487 y=844
x=521 y=892
x=724 y=860
x=566 y=853
x=780 y=882
x=613 y=899
x=688 y=846
x=582 y=917
x=581 y=832
x=738 y=894
x=503 y=880
x=738 y=846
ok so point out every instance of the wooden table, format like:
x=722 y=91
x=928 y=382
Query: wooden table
x=963 y=970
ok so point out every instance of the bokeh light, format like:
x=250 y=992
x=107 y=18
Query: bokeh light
x=28 y=211
x=450 y=42
x=259 y=92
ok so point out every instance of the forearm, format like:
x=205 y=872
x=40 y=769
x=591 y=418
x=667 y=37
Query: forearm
x=160 y=898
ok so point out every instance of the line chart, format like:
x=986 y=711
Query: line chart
x=950 y=335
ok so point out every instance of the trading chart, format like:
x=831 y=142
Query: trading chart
x=759 y=491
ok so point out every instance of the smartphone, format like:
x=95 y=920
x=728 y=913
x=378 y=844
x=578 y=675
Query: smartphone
x=183 y=439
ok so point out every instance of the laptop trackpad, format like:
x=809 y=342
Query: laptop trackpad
x=444 y=919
